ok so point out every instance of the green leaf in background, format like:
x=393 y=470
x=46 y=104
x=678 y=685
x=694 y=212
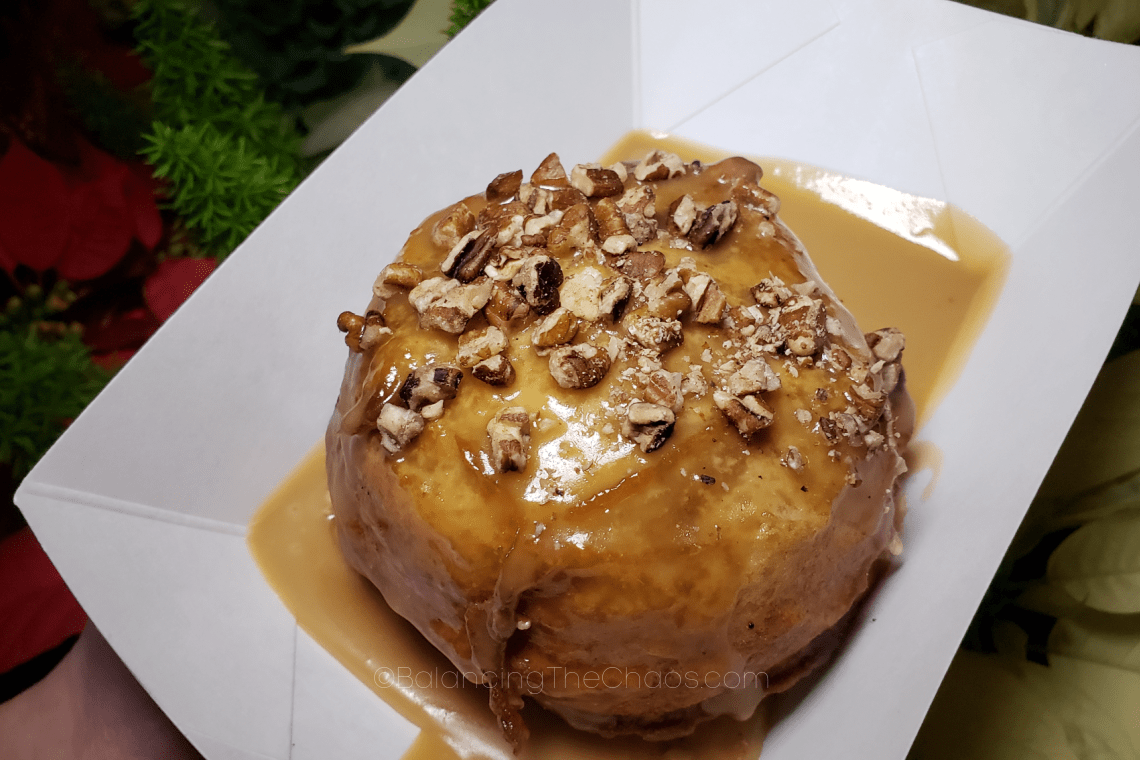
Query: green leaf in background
x=1099 y=564
x=1115 y=642
x=991 y=707
x=463 y=12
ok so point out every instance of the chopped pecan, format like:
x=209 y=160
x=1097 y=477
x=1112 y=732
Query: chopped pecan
x=637 y=207
x=470 y=255
x=432 y=411
x=537 y=199
x=713 y=224
x=578 y=366
x=581 y=293
x=754 y=377
x=889 y=376
x=497 y=370
x=507 y=307
x=709 y=303
x=509 y=431
x=839 y=358
x=648 y=425
x=499 y=214
x=504 y=186
x=750 y=195
x=595 y=181
x=538 y=281
x=771 y=292
x=398 y=427
x=665 y=388
x=446 y=304
x=557 y=328
x=477 y=345
x=564 y=199
x=351 y=325
x=401 y=275
x=793 y=459
x=550 y=173
x=575 y=231
x=802 y=319
x=681 y=215
x=887 y=343
x=656 y=333
x=612 y=229
x=749 y=414
x=457 y=223
x=426 y=385
x=615 y=297
x=643 y=265
x=666 y=297
x=659 y=165
x=373 y=331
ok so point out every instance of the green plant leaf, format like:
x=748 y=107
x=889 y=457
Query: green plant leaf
x=1099 y=564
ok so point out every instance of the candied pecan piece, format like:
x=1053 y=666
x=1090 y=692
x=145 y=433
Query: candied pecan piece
x=748 y=414
x=550 y=173
x=637 y=206
x=504 y=186
x=709 y=303
x=658 y=165
x=643 y=265
x=557 y=328
x=507 y=306
x=565 y=198
x=713 y=224
x=802 y=319
x=427 y=385
x=457 y=223
x=578 y=366
x=666 y=297
x=656 y=333
x=509 y=431
x=477 y=345
x=446 y=304
x=612 y=229
x=497 y=370
x=401 y=275
x=771 y=292
x=681 y=215
x=615 y=297
x=648 y=425
x=538 y=281
x=754 y=377
x=595 y=181
x=666 y=388
x=398 y=427
x=887 y=344
x=470 y=255
x=577 y=230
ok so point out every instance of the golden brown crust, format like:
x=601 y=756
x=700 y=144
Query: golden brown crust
x=683 y=484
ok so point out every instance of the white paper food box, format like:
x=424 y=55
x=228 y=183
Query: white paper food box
x=143 y=503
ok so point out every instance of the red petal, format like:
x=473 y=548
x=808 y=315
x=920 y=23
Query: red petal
x=101 y=228
x=140 y=202
x=173 y=282
x=34 y=208
x=125 y=331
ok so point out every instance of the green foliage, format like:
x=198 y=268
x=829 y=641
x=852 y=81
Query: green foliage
x=45 y=381
x=114 y=119
x=225 y=186
x=1116 y=20
x=463 y=12
x=230 y=155
x=296 y=46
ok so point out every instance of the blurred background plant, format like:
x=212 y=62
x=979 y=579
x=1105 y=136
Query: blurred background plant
x=142 y=140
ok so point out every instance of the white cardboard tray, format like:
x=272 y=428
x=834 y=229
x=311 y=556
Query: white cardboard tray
x=143 y=503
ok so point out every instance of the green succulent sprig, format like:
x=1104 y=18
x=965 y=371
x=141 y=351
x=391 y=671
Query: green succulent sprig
x=463 y=12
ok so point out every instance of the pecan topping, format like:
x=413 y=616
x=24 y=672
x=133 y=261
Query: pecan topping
x=557 y=328
x=596 y=182
x=637 y=206
x=659 y=165
x=401 y=275
x=550 y=173
x=470 y=255
x=681 y=215
x=448 y=230
x=708 y=300
x=538 y=281
x=427 y=385
x=648 y=425
x=615 y=297
x=771 y=292
x=350 y=324
x=665 y=388
x=507 y=306
x=509 y=431
x=666 y=297
x=477 y=345
x=802 y=319
x=655 y=333
x=887 y=344
x=579 y=366
x=643 y=265
x=504 y=186
x=373 y=331
x=612 y=229
x=497 y=370
x=576 y=231
x=713 y=224
x=754 y=377
x=749 y=414
x=398 y=427
x=445 y=304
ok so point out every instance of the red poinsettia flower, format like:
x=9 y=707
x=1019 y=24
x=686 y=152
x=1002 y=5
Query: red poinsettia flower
x=80 y=221
x=173 y=282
